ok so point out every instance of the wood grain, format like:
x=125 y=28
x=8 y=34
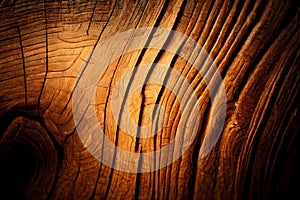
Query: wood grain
x=45 y=45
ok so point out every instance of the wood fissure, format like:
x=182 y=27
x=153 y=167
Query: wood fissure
x=48 y=47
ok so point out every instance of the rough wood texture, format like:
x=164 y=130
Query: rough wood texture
x=255 y=46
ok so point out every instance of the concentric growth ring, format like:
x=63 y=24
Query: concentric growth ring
x=86 y=121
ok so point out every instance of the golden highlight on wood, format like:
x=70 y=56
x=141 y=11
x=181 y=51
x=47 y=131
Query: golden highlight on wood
x=45 y=47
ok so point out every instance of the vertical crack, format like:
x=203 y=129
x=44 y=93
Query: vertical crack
x=46 y=57
x=159 y=19
x=91 y=18
x=138 y=176
x=23 y=64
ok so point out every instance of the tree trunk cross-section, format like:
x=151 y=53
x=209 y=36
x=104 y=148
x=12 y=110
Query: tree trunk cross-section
x=44 y=45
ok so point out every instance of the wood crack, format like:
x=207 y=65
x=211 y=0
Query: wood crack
x=23 y=64
x=47 y=60
x=91 y=19
x=46 y=48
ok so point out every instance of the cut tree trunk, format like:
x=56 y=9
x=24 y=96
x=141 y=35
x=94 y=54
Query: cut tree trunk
x=45 y=46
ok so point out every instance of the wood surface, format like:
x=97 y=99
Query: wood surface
x=255 y=46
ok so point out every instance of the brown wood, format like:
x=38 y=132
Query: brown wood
x=255 y=46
